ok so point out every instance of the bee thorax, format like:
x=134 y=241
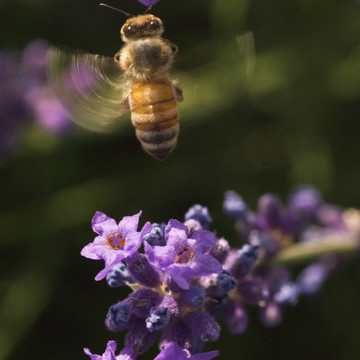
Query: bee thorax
x=146 y=58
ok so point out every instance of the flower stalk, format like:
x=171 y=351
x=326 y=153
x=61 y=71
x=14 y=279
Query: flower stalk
x=347 y=244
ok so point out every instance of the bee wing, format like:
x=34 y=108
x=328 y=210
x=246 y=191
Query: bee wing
x=246 y=46
x=89 y=86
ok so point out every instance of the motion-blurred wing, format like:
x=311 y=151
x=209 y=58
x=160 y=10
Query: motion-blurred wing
x=246 y=44
x=89 y=86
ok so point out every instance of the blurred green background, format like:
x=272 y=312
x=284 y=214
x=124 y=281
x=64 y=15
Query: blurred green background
x=294 y=120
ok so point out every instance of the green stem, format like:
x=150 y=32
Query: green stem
x=333 y=244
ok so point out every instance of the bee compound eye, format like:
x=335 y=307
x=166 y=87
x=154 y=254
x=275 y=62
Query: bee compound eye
x=153 y=25
x=173 y=48
x=117 y=57
x=130 y=30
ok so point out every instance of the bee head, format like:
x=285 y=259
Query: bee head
x=146 y=25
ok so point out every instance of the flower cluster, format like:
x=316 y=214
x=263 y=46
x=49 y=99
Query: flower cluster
x=24 y=94
x=184 y=278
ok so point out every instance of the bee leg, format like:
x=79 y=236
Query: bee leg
x=178 y=92
x=125 y=102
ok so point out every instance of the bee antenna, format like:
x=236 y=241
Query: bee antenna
x=116 y=9
x=148 y=9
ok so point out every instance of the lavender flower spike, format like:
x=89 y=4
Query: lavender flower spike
x=174 y=352
x=115 y=241
x=188 y=278
x=109 y=353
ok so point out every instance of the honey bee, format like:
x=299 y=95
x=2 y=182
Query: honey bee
x=96 y=89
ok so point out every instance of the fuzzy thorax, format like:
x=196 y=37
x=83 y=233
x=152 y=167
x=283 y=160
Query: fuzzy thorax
x=145 y=58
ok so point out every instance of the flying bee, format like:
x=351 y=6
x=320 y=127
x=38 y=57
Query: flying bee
x=97 y=89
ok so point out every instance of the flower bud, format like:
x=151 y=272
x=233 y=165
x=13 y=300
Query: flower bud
x=199 y=213
x=235 y=317
x=220 y=250
x=157 y=235
x=202 y=325
x=194 y=297
x=161 y=314
x=142 y=271
x=270 y=212
x=234 y=205
x=119 y=275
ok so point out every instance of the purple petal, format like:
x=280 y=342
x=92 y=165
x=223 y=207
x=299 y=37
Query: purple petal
x=90 y=251
x=109 y=353
x=126 y=354
x=111 y=259
x=132 y=243
x=146 y=228
x=172 y=351
x=205 y=241
x=101 y=222
x=173 y=223
x=102 y=274
x=160 y=256
x=129 y=224
x=92 y=356
x=205 y=265
x=177 y=239
x=148 y=2
x=180 y=274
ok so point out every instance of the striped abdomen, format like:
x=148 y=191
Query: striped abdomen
x=154 y=113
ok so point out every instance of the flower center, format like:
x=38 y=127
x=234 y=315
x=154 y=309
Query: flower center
x=184 y=256
x=116 y=242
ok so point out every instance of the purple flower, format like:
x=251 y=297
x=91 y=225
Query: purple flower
x=313 y=277
x=47 y=110
x=305 y=200
x=200 y=214
x=139 y=338
x=194 y=296
x=119 y=275
x=174 y=352
x=38 y=97
x=148 y=2
x=271 y=315
x=122 y=314
x=24 y=94
x=142 y=271
x=109 y=353
x=235 y=317
x=288 y=294
x=225 y=281
x=270 y=212
x=220 y=250
x=254 y=290
x=182 y=257
x=160 y=315
x=126 y=354
x=203 y=325
x=180 y=287
x=234 y=205
x=249 y=254
x=157 y=235
x=115 y=241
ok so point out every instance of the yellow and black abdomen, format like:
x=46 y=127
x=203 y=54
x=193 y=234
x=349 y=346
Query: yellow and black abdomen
x=154 y=113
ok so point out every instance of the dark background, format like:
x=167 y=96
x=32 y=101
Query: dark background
x=294 y=121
